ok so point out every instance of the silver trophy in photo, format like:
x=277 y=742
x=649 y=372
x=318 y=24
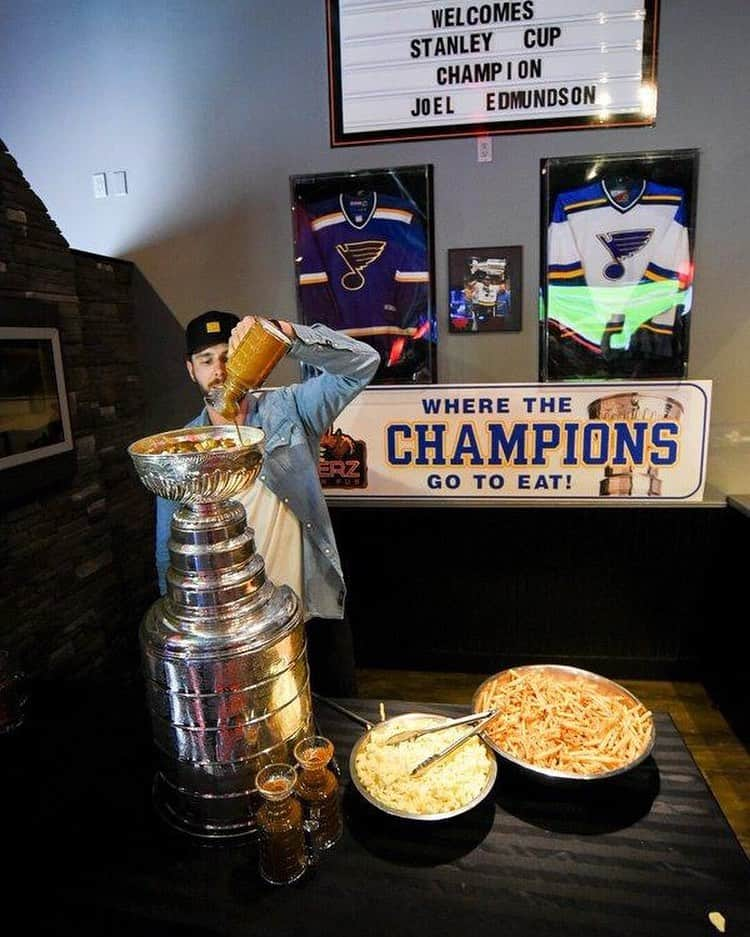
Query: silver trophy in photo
x=643 y=481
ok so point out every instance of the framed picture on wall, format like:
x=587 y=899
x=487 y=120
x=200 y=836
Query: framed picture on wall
x=618 y=234
x=363 y=249
x=34 y=417
x=484 y=289
x=37 y=448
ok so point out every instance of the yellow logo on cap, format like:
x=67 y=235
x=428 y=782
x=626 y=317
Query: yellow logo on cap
x=213 y=327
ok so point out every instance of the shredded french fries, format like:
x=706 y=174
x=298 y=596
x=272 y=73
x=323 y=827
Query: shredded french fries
x=565 y=722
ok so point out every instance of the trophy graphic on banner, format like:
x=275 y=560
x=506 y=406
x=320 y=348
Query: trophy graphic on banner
x=642 y=481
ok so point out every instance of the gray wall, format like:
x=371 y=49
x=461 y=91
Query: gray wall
x=211 y=105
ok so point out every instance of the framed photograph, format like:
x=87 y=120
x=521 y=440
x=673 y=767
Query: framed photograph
x=413 y=70
x=363 y=249
x=617 y=242
x=484 y=289
x=34 y=418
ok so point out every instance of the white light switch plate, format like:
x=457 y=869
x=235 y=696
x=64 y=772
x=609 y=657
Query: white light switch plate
x=119 y=182
x=99 y=180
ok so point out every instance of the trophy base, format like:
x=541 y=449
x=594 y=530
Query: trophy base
x=210 y=819
x=631 y=485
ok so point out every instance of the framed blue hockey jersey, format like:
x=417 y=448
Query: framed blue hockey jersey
x=364 y=264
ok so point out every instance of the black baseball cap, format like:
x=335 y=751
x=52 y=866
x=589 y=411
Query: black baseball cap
x=209 y=328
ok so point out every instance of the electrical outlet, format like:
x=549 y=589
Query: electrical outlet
x=484 y=149
x=99 y=180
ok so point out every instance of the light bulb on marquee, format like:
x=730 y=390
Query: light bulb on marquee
x=647 y=95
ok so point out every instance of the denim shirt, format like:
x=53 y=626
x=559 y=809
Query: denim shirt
x=293 y=419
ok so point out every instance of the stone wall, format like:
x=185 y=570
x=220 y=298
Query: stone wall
x=76 y=561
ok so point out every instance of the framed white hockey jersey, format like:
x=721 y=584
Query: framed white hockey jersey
x=364 y=263
x=617 y=266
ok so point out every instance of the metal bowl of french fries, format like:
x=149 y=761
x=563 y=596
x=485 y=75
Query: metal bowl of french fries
x=199 y=464
x=565 y=724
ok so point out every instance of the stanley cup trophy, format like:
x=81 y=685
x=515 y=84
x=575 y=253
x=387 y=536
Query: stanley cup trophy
x=224 y=651
x=631 y=406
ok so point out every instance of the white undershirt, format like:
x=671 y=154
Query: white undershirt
x=278 y=536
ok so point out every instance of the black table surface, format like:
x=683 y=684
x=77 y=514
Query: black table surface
x=84 y=852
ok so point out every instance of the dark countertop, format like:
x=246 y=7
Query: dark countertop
x=649 y=853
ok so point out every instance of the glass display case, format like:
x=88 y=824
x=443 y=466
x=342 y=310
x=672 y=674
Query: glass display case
x=363 y=249
x=617 y=240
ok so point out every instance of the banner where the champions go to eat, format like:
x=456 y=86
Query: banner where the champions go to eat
x=500 y=441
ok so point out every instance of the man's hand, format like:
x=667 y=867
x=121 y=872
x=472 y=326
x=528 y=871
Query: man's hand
x=238 y=332
x=286 y=328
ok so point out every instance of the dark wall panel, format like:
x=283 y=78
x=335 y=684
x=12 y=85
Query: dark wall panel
x=623 y=591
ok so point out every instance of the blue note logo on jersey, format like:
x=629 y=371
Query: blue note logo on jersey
x=357 y=255
x=621 y=245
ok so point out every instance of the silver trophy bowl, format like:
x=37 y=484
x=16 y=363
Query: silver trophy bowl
x=199 y=477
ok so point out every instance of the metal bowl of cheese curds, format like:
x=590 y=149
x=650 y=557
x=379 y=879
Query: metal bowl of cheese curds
x=470 y=773
x=199 y=464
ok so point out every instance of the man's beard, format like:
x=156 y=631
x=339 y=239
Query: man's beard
x=206 y=388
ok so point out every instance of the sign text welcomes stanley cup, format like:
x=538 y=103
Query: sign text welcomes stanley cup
x=519 y=441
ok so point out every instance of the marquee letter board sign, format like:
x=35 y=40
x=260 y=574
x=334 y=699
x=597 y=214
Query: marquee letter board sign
x=414 y=70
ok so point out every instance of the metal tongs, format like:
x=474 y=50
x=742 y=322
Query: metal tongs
x=439 y=756
x=342 y=709
x=410 y=734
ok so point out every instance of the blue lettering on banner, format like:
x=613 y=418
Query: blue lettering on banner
x=432 y=405
x=430 y=439
x=546 y=436
x=522 y=443
x=500 y=441
x=632 y=438
x=394 y=431
x=437 y=481
x=466 y=445
x=669 y=445
x=595 y=443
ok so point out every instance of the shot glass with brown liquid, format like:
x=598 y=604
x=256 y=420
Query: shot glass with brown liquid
x=282 y=853
x=318 y=790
